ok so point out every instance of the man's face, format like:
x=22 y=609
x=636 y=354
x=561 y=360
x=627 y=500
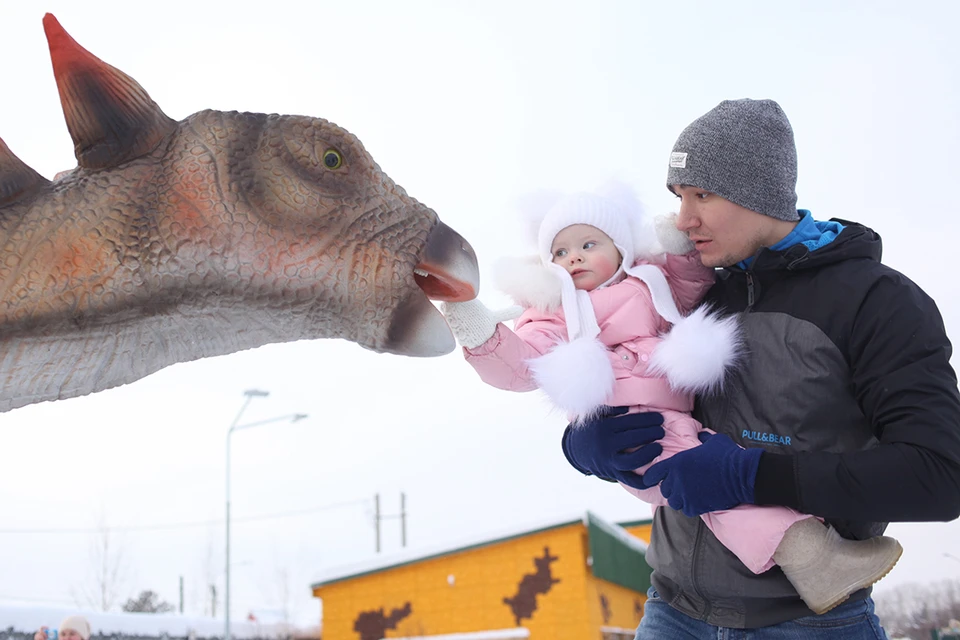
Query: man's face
x=588 y=255
x=70 y=634
x=724 y=233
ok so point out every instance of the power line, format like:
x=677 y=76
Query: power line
x=187 y=525
x=43 y=600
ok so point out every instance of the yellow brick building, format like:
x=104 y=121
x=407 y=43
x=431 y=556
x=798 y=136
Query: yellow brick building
x=582 y=579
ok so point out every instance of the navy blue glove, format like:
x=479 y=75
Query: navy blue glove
x=607 y=446
x=715 y=476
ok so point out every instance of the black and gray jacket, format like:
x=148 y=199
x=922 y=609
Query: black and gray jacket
x=847 y=366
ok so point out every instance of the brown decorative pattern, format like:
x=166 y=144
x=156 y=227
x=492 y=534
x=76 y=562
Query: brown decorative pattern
x=524 y=603
x=372 y=625
x=605 y=609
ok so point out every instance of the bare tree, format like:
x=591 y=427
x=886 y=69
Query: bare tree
x=283 y=594
x=914 y=610
x=108 y=571
x=210 y=572
x=279 y=593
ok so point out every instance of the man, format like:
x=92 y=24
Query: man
x=845 y=405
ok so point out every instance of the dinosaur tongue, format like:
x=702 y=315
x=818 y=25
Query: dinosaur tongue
x=448 y=267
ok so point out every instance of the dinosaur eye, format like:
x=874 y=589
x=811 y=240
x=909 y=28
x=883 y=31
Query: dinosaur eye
x=332 y=159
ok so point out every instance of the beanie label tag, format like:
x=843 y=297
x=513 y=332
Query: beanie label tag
x=678 y=159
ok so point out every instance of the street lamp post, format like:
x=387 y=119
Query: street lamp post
x=294 y=417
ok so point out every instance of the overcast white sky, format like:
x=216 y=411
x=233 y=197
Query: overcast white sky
x=468 y=105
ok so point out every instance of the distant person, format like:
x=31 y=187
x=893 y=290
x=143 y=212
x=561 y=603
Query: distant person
x=598 y=332
x=72 y=628
x=844 y=406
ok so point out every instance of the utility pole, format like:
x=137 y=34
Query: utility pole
x=378 y=517
x=213 y=601
x=250 y=394
x=403 y=519
x=181 y=595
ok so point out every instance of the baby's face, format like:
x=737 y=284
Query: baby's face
x=588 y=255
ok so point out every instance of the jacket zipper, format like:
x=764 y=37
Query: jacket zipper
x=707 y=608
x=750 y=292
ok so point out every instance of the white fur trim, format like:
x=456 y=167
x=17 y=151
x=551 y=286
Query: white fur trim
x=547 y=287
x=528 y=283
x=696 y=352
x=577 y=376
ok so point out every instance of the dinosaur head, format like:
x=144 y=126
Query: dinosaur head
x=300 y=197
x=344 y=247
x=172 y=241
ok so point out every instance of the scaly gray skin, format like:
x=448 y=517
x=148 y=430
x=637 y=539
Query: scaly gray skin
x=174 y=241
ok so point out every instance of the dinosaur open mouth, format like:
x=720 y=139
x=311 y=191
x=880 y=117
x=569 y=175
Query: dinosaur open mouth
x=439 y=287
x=447 y=271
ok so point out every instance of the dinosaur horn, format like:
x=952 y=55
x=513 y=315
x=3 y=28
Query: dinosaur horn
x=110 y=117
x=16 y=178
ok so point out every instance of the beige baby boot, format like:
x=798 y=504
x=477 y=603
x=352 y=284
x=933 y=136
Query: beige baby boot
x=825 y=568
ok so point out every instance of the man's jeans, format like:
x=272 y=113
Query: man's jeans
x=849 y=621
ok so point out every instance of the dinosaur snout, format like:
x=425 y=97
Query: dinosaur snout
x=447 y=271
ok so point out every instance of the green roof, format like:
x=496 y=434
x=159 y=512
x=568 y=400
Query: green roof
x=616 y=556
x=635 y=523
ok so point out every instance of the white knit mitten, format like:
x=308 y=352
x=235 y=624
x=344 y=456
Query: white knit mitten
x=672 y=239
x=472 y=323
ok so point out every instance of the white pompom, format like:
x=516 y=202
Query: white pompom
x=532 y=208
x=645 y=243
x=577 y=376
x=528 y=283
x=696 y=353
x=672 y=240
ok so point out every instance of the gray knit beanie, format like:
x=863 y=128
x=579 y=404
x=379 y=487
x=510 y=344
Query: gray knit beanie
x=743 y=151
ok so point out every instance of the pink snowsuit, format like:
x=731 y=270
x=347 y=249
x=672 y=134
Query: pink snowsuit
x=630 y=328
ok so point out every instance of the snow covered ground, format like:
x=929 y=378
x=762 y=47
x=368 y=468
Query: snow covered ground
x=19 y=621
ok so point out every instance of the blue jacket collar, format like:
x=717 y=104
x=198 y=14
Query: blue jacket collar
x=808 y=232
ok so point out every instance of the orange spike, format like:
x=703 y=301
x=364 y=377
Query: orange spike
x=16 y=178
x=110 y=117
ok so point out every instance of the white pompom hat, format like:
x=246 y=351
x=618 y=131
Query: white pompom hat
x=615 y=210
x=587 y=208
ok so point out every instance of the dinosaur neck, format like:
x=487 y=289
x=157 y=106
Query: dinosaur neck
x=93 y=296
x=70 y=362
